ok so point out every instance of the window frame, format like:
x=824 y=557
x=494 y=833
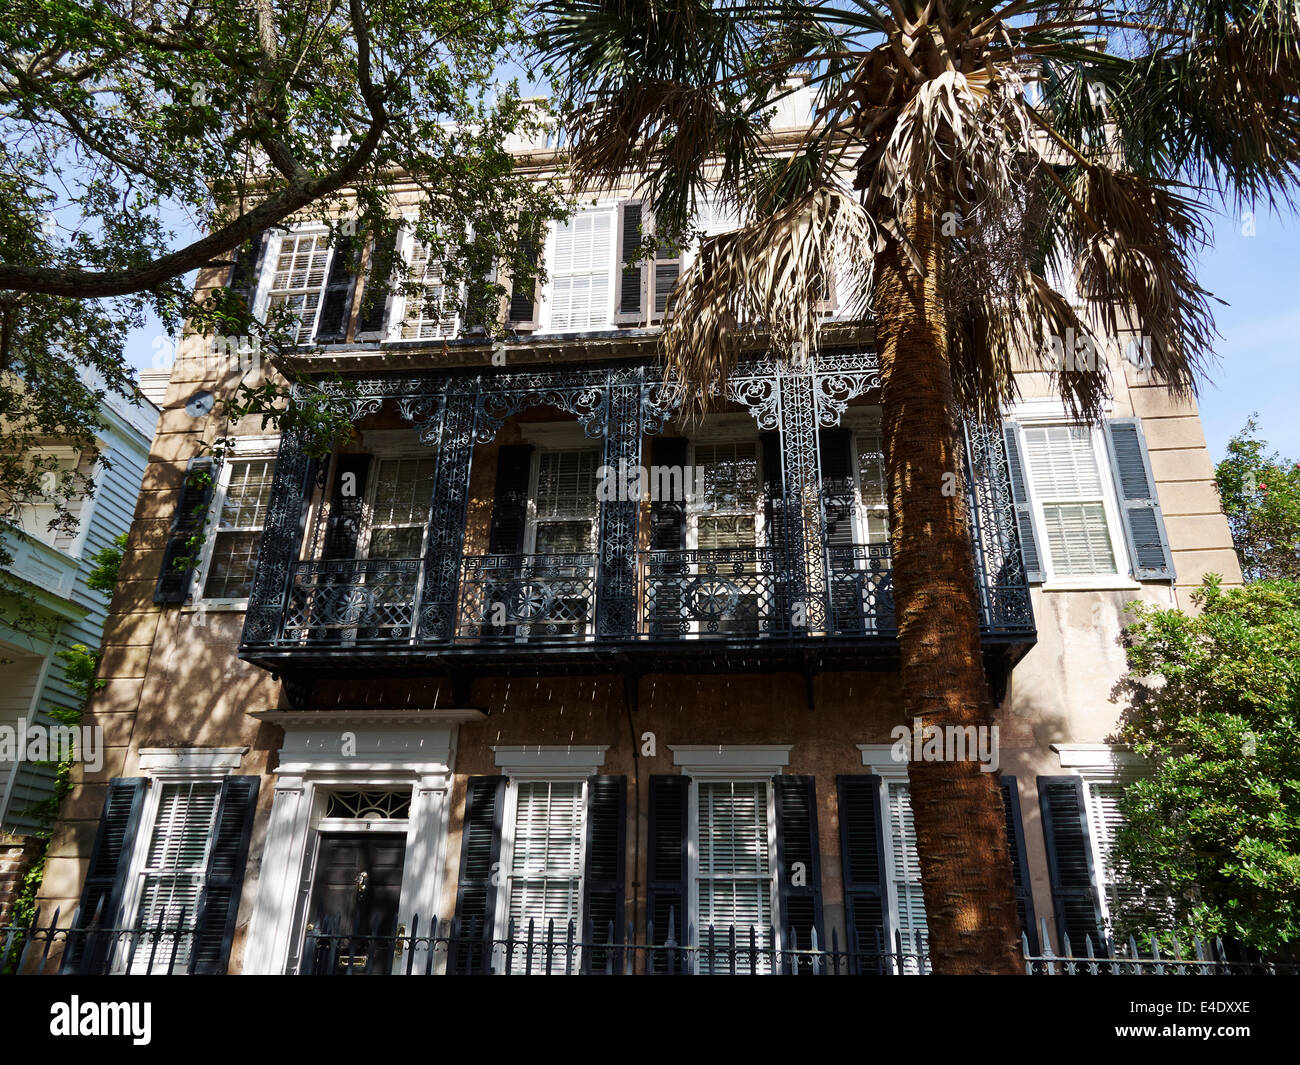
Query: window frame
x=737 y=429
x=399 y=300
x=266 y=283
x=246 y=449
x=546 y=297
x=377 y=457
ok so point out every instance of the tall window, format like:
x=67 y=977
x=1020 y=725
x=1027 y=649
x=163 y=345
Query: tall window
x=403 y=498
x=1066 y=485
x=727 y=515
x=905 y=878
x=734 y=875
x=565 y=504
x=872 y=492
x=242 y=514
x=545 y=870
x=432 y=313
x=298 y=283
x=582 y=264
x=174 y=869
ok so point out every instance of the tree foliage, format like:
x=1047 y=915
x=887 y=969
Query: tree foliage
x=1216 y=824
x=1261 y=496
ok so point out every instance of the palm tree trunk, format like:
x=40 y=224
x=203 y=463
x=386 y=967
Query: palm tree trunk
x=960 y=824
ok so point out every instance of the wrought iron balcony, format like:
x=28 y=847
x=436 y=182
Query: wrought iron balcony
x=804 y=603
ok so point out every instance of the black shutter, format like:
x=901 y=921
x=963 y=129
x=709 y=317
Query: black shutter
x=667 y=889
x=862 y=854
x=1075 y=902
x=191 y=512
x=510 y=506
x=336 y=304
x=839 y=507
x=668 y=533
x=378 y=286
x=1019 y=864
x=476 y=895
x=603 y=880
x=1020 y=497
x=668 y=267
x=631 y=292
x=797 y=844
x=87 y=953
x=1144 y=527
x=523 y=298
x=347 y=506
x=219 y=903
x=245 y=271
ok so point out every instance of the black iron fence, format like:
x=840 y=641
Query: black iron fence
x=443 y=947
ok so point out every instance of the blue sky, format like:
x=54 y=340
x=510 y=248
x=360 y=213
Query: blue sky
x=1258 y=367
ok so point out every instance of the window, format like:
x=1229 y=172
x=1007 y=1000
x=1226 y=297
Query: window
x=433 y=314
x=1070 y=496
x=238 y=531
x=1102 y=799
x=734 y=875
x=582 y=263
x=298 y=282
x=565 y=504
x=171 y=879
x=544 y=878
x=906 y=898
x=400 y=512
x=727 y=515
x=872 y=492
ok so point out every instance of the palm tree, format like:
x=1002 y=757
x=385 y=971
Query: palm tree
x=962 y=154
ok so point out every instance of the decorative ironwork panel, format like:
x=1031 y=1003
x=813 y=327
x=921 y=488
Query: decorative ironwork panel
x=616 y=609
x=860 y=590
x=801 y=481
x=999 y=565
x=526 y=598
x=446 y=537
x=352 y=599
x=720 y=592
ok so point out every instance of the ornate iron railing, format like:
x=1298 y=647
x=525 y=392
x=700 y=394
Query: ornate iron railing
x=525 y=598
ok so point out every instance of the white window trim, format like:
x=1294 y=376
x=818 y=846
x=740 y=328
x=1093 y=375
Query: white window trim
x=387 y=445
x=544 y=301
x=262 y=300
x=398 y=300
x=879 y=759
x=1041 y=416
x=531 y=520
x=191 y=763
x=244 y=449
x=731 y=761
x=550 y=763
x=728 y=429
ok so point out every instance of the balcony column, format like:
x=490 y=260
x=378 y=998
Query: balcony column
x=801 y=502
x=616 y=587
x=281 y=539
x=446 y=540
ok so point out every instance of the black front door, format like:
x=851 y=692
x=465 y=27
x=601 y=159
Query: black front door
x=354 y=902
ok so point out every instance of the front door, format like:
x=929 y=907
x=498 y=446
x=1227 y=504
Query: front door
x=354 y=902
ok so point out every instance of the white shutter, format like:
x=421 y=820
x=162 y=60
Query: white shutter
x=174 y=870
x=546 y=862
x=1065 y=481
x=582 y=265
x=734 y=872
x=1062 y=462
x=905 y=873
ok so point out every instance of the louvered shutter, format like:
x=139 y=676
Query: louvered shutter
x=1144 y=525
x=336 y=306
x=667 y=269
x=376 y=296
x=545 y=876
x=102 y=895
x=631 y=285
x=797 y=845
x=862 y=856
x=905 y=870
x=476 y=894
x=510 y=505
x=1019 y=864
x=245 y=272
x=1075 y=901
x=839 y=506
x=523 y=297
x=1024 y=512
x=604 y=876
x=347 y=506
x=219 y=906
x=667 y=869
x=191 y=512
x=668 y=533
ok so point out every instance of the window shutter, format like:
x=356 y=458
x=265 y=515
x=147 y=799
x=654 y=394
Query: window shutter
x=631 y=288
x=1144 y=525
x=1075 y=902
x=1020 y=496
x=245 y=271
x=1019 y=864
x=668 y=533
x=667 y=889
x=336 y=308
x=603 y=881
x=219 y=904
x=378 y=285
x=476 y=895
x=862 y=854
x=797 y=843
x=102 y=894
x=523 y=292
x=347 y=506
x=667 y=268
x=510 y=506
x=838 y=497
x=191 y=512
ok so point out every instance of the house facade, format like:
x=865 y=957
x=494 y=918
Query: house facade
x=46 y=607
x=535 y=649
